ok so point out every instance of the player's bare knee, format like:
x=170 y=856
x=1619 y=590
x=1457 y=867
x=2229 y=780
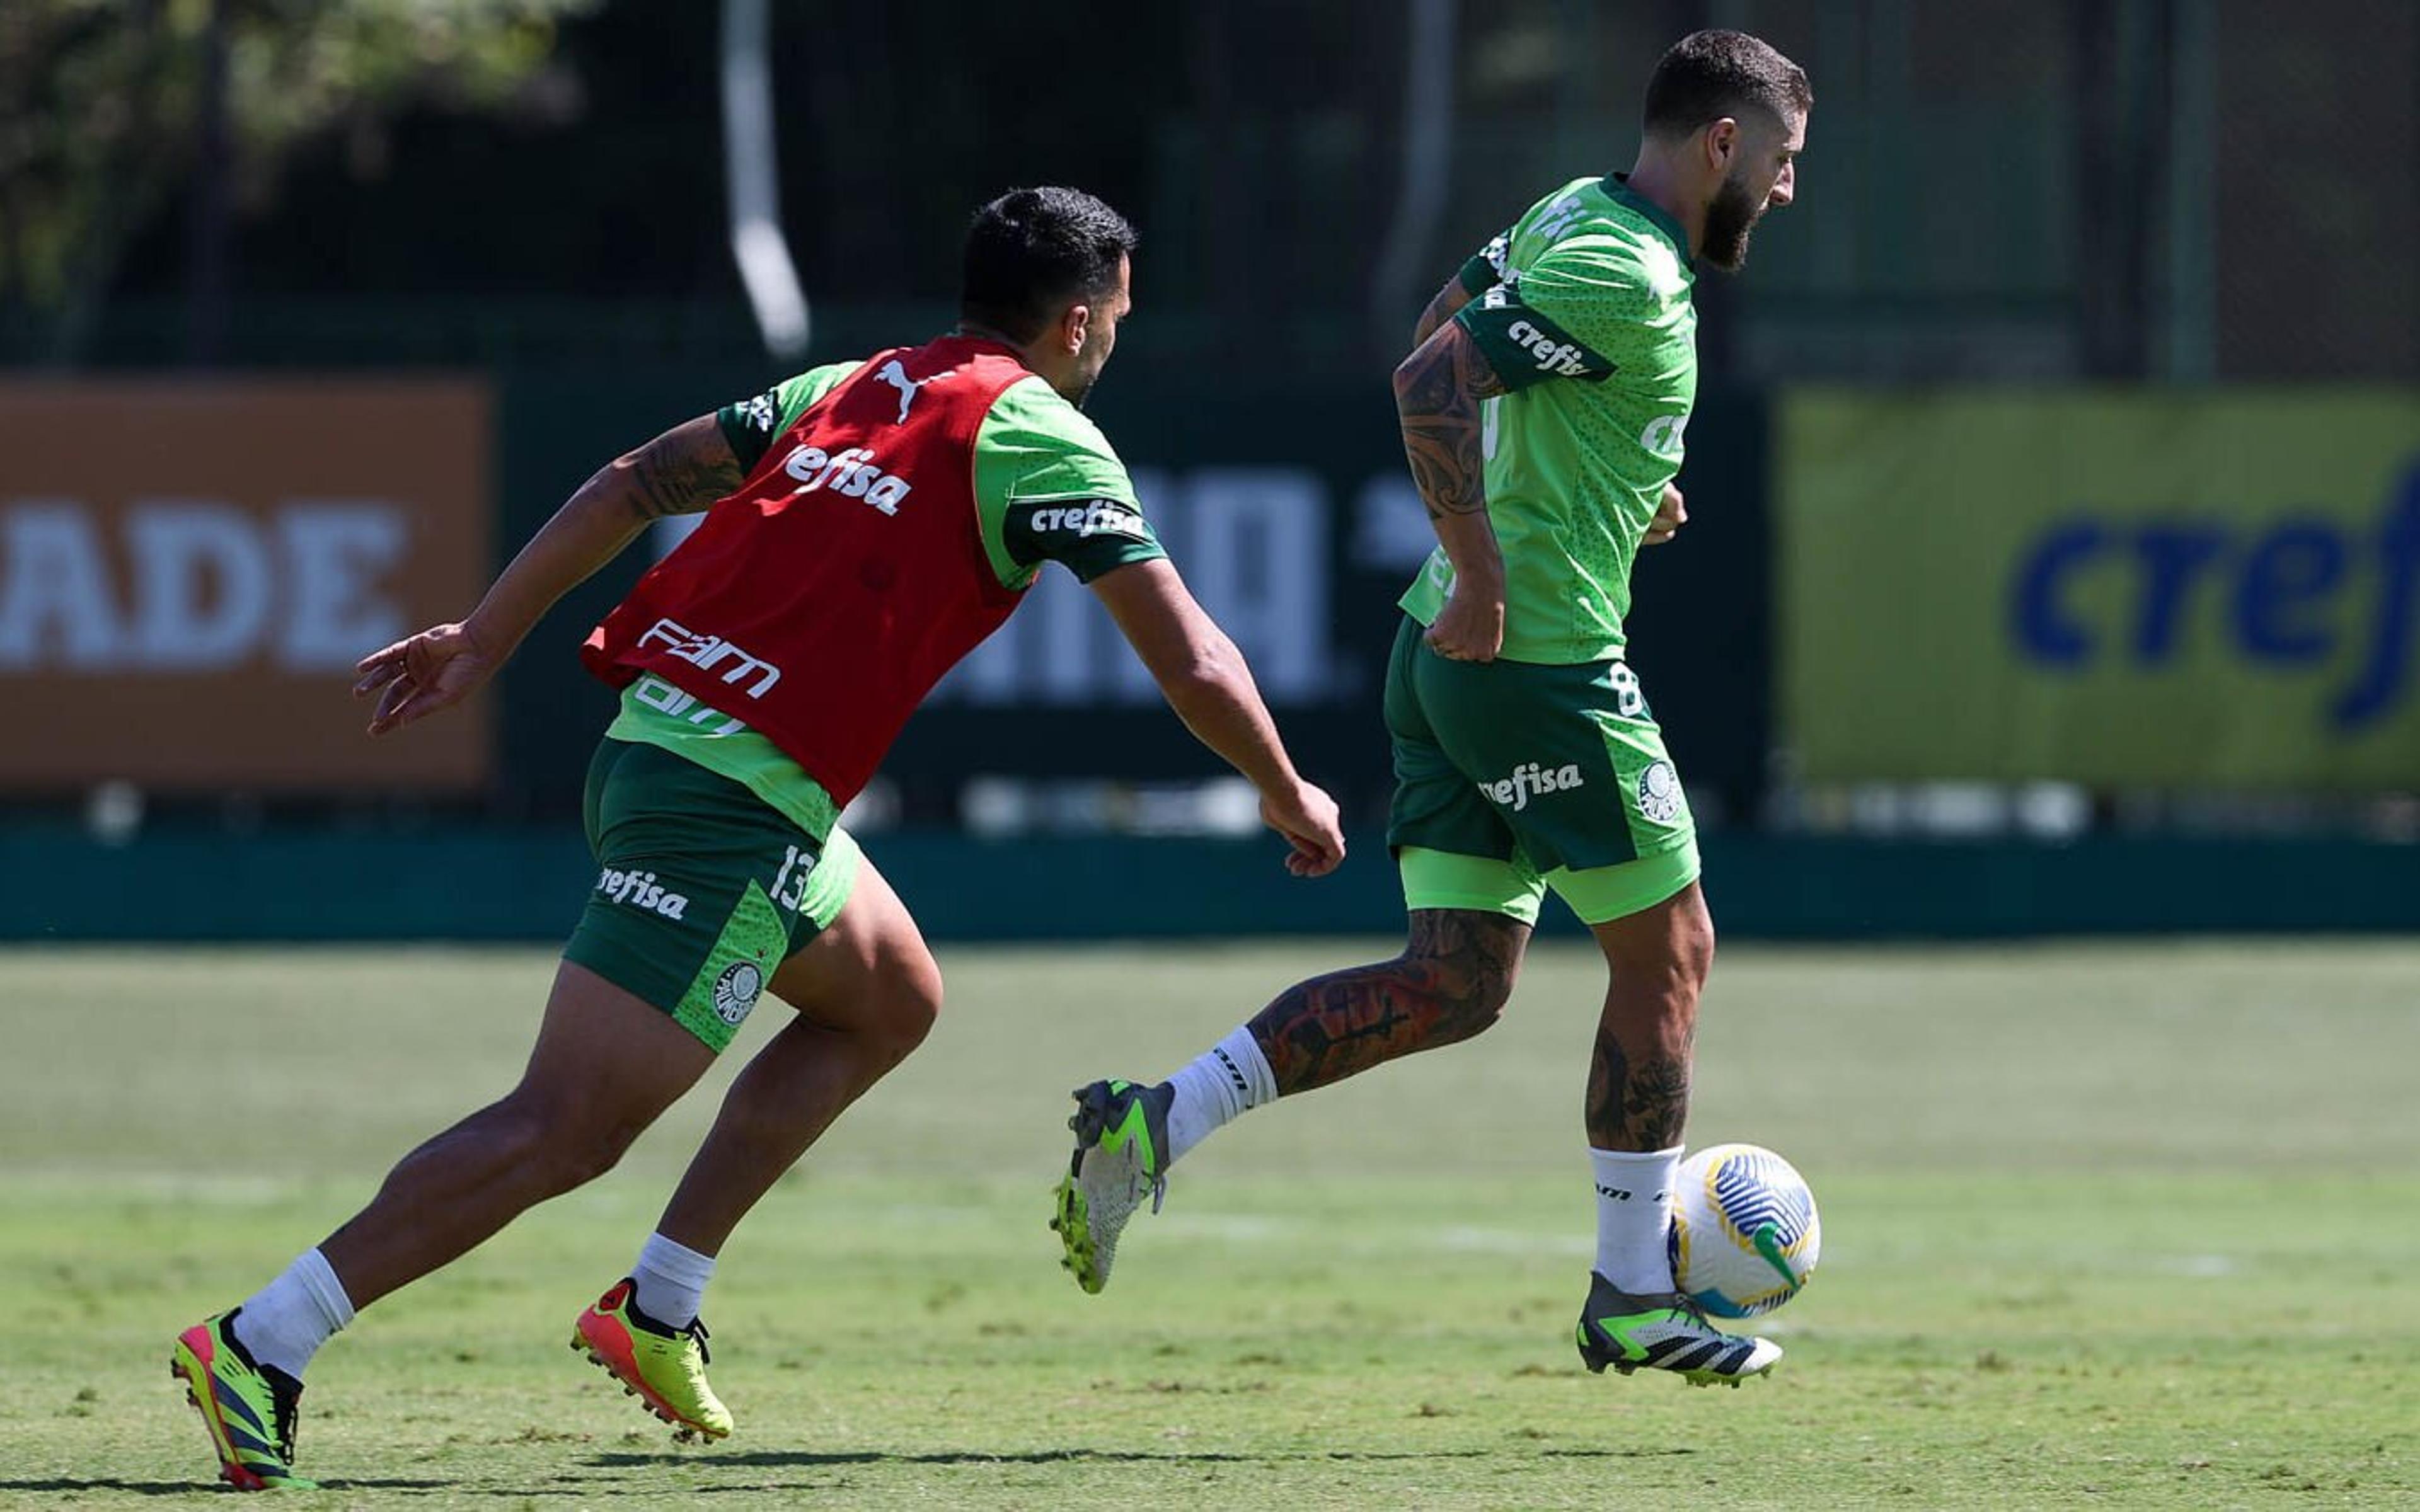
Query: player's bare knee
x=1467 y=961
x=555 y=1144
x=1458 y=1001
x=576 y=1155
x=911 y=1005
x=1668 y=950
x=1495 y=986
x=1480 y=1004
x=1693 y=948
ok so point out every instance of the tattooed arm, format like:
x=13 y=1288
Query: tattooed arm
x=1451 y=297
x=679 y=473
x=1439 y=390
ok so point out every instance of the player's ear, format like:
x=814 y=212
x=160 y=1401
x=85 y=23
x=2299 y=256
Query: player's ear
x=1075 y=324
x=1722 y=142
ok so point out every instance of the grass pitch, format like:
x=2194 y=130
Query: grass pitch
x=2106 y=1226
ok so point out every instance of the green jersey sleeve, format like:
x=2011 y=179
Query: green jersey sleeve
x=1578 y=313
x=1487 y=266
x=1050 y=488
x=750 y=424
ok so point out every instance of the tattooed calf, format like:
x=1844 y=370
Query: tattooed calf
x=1450 y=984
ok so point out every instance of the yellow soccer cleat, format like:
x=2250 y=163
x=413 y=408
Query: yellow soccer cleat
x=661 y=1366
x=249 y=1410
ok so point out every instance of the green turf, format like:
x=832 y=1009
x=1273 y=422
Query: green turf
x=2112 y=1226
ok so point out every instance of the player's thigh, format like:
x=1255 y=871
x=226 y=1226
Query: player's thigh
x=1669 y=937
x=869 y=969
x=703 y=889
x=607 y=1057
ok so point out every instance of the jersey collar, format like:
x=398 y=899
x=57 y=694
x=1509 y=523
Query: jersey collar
x=1616 y=187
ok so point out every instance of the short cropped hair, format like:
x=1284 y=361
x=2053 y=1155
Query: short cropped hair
x=1033 y=251
x=1708 y=75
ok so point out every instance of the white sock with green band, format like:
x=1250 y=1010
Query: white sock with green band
x=1223 y=1081
x=1634 y=1210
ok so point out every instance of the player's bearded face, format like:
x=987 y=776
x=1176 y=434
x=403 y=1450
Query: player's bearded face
x=1730 y=218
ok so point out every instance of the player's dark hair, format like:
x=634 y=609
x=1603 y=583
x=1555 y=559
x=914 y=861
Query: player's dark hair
x=1708 y=75
x=1031 y=251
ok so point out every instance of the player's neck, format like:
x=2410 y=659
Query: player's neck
x=1036 y=355
x=1659 y=182
x=977 y=331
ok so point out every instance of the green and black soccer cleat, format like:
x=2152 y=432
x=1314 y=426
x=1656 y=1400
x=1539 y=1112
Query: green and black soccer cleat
x=1120 y=1154
x=1666 y=1330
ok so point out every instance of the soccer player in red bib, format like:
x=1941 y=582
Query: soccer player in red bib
x=867 y=524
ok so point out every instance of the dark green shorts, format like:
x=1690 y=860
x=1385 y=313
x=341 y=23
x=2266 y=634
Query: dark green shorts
x=1515 y=776
x=704 y=889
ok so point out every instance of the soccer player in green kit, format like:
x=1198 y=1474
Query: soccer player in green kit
x=1543 y=414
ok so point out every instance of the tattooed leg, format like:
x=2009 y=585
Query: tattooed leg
x=1638 y=1079
x=1451 y=982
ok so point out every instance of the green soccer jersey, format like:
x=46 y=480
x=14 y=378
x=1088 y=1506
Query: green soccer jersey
x=1047 y=488
x=1048 y=485
x=1583 y=310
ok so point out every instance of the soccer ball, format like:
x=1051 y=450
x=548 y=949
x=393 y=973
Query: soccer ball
x=1744 y=1233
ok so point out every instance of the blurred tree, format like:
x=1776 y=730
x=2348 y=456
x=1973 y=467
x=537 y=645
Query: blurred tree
x=109 y=107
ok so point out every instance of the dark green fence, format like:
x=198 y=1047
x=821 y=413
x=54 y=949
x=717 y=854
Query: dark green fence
x=528 y=885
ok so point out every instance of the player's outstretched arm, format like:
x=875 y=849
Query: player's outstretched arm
x=679 y=473
x=1439 y=390
x=1205 y=681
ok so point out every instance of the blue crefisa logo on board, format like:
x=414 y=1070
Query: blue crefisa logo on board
x=2297 y=590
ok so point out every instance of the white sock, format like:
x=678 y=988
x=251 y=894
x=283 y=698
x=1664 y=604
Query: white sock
x=1634 y=1208
x=671 y=1281
x=1222 y=1081
x=284 y=1322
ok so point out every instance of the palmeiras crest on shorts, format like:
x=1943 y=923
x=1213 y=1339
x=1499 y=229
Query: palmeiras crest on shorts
x=736 y=991
x=1659 y=793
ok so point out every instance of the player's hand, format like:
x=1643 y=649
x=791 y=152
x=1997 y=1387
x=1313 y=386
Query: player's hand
x=1471 y=628
x=1669 y=516
x=434 y=670
x=1306 y=816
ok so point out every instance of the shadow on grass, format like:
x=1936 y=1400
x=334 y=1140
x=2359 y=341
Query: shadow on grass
x=68 y=1486
x=801 y=1460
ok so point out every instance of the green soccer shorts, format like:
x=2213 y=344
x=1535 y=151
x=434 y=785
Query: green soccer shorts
x=1514 y=776
x=702 y=891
